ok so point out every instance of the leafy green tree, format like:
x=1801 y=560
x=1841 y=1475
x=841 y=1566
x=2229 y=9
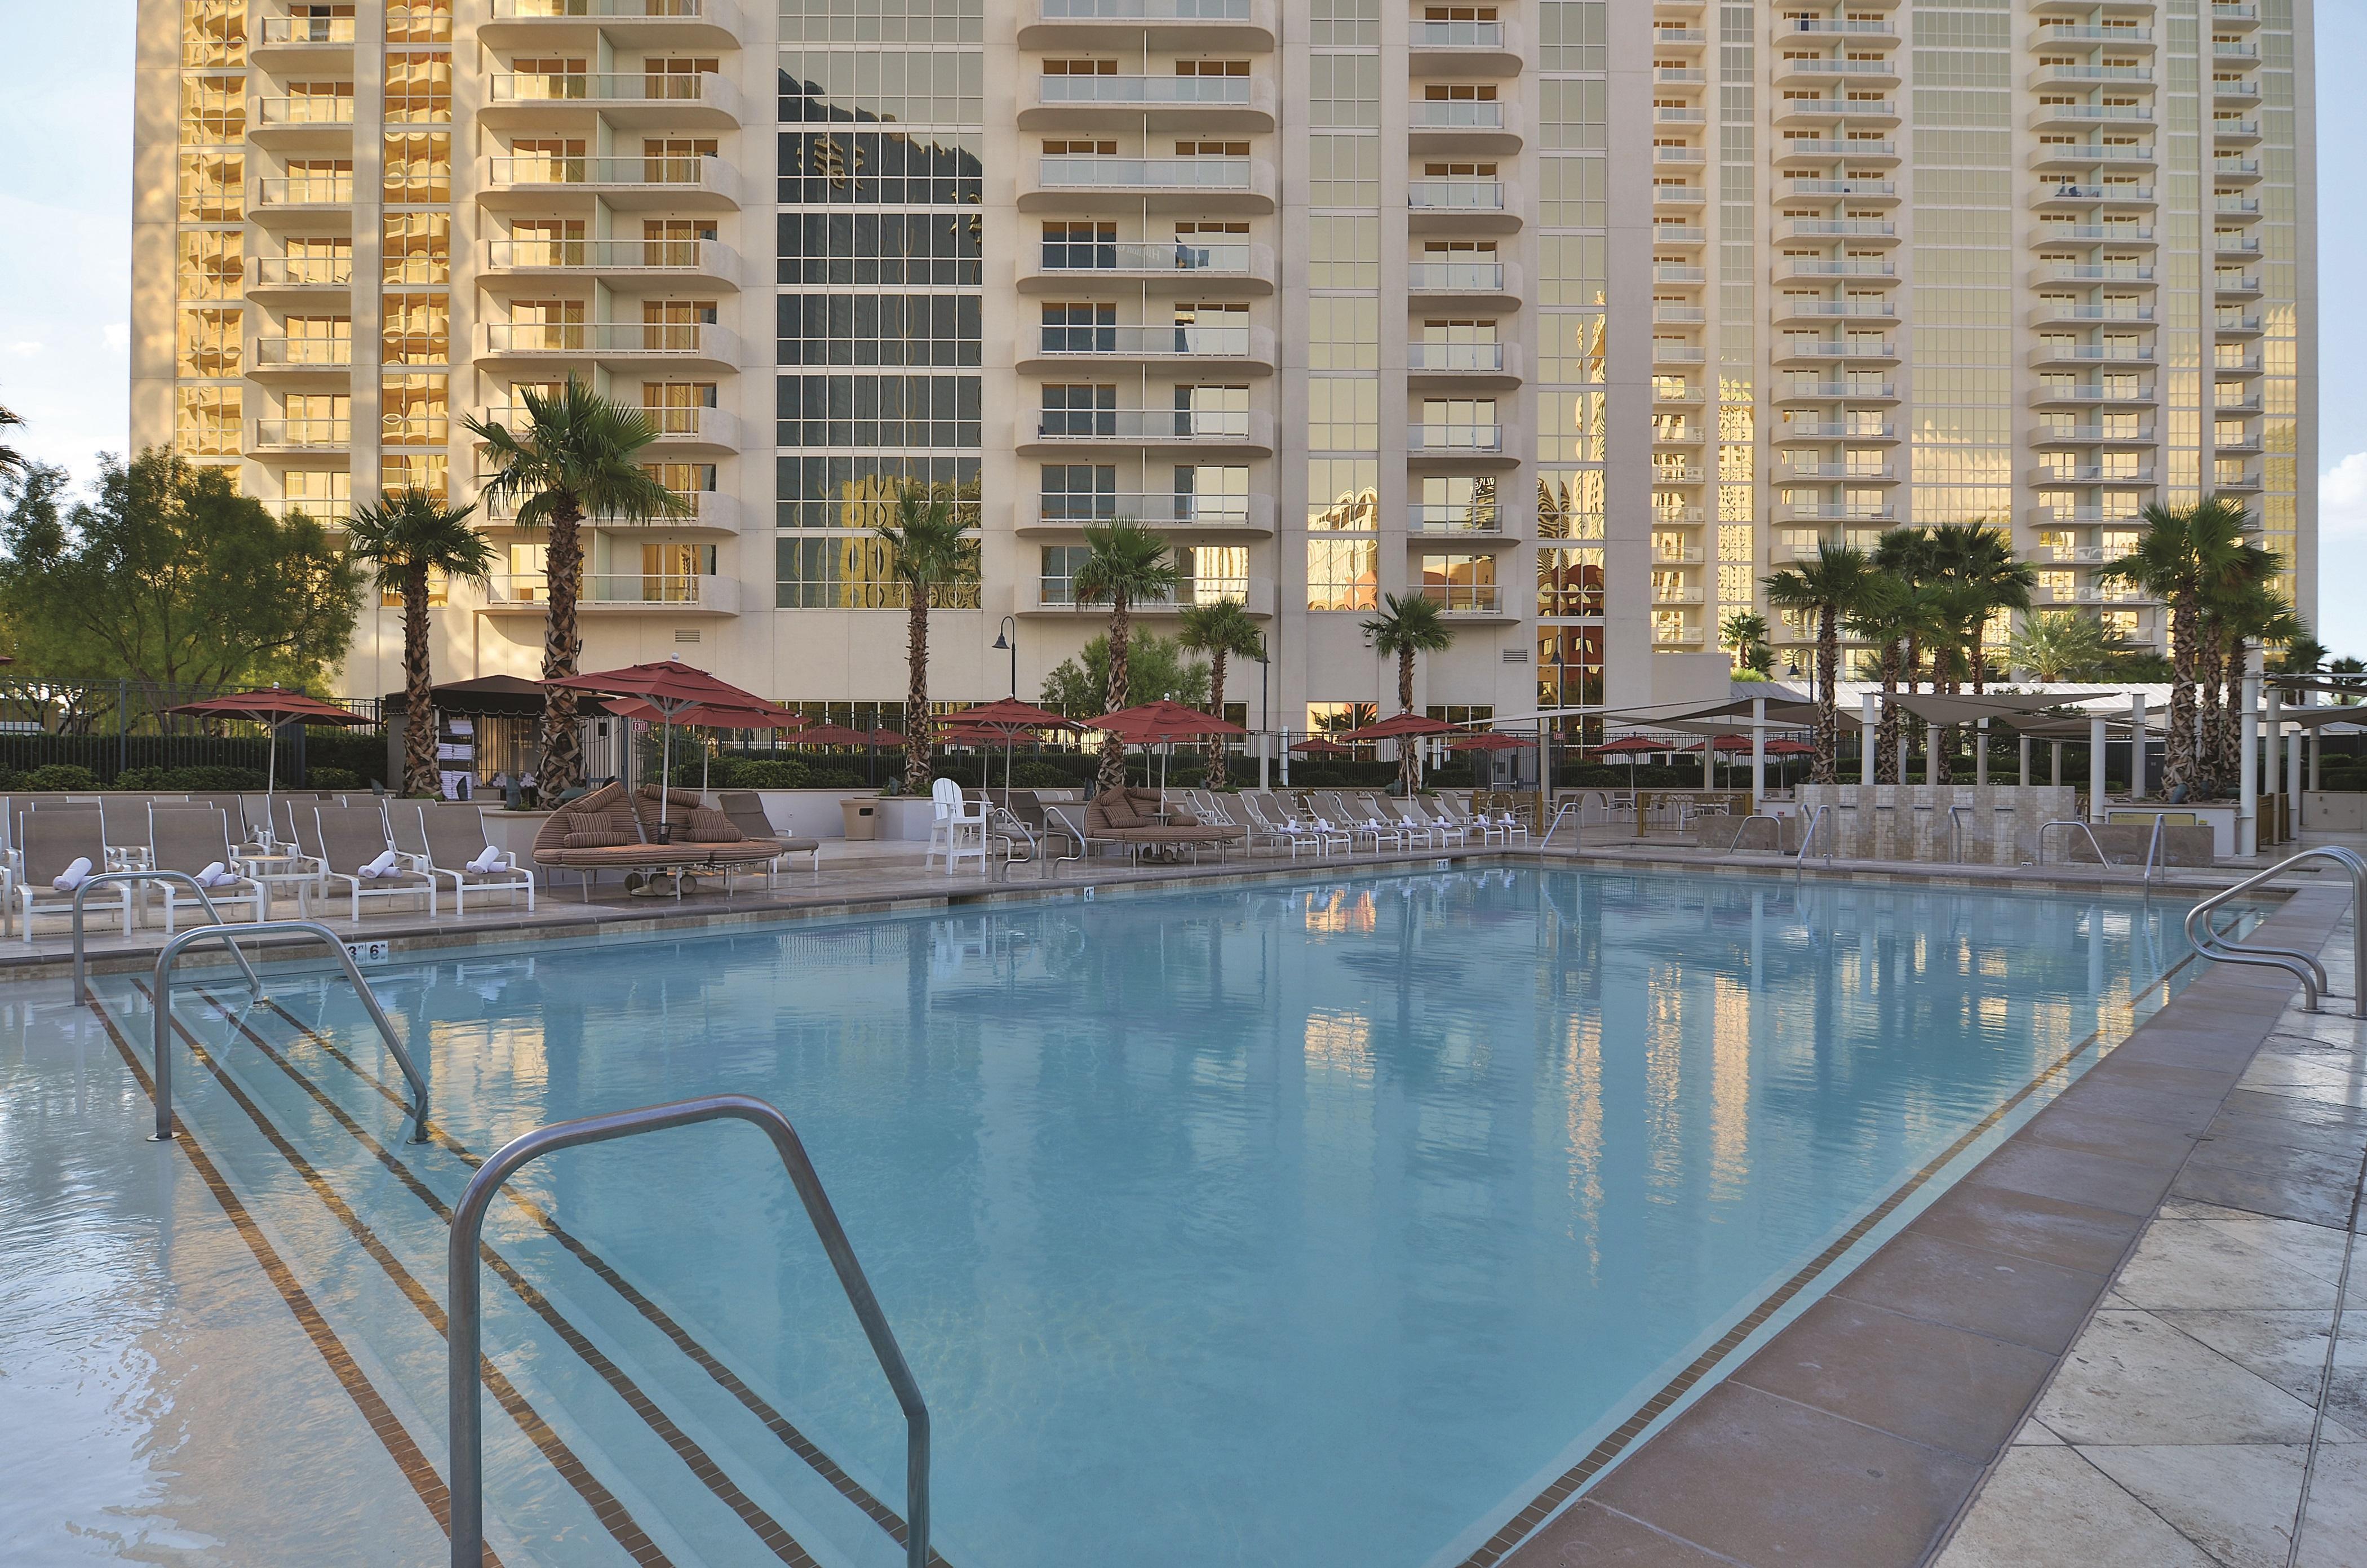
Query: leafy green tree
x=576 y=455
x=1125 y=565
x=1223 y=630
x=2065 y=645
x=405 y=539
x=933 y=554
x=1829 y=586
x=171 y=578
x=1409 y=624
x=1079 y=686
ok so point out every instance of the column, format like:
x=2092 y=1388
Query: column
x=2136 y=745
x=2247 y=809
x=2096 y=745
x=1757 y=752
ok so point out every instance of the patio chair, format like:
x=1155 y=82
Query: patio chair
x=402 y=829
x=259 y=828
x=189 y=838
x=744 y=809
x=1296 y=829
x=1439 y=830
x=600 y=829
x=123 y=820
x=1333 y=809
x=353 y=837
x=452 y=835
x=55 y=839
x=1504 y=821
x=957 y=831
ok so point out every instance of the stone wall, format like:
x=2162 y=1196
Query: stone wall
x=1917 y=821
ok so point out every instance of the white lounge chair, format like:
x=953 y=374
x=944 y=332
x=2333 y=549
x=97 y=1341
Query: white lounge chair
x=453 y=834
x=55 y=839
x=189 y=838
x=353 y=837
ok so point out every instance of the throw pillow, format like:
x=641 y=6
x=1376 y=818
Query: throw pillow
x=709 y=826
x=595 y=839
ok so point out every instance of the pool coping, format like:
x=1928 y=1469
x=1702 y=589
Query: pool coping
x=1860 y=1433
x=557 y=920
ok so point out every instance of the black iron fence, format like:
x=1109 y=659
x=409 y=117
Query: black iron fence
x=124 y=731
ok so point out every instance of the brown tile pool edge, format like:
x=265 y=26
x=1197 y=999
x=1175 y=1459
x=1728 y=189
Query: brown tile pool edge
x=1857 y=1435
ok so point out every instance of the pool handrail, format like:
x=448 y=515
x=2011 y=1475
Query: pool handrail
x=2103 y=860
x=2154 y=846
x=1744 y=826
x=2209 y=942
x=463 y=1315
x=81 y=990
x=161 y=985
x=1576 y=802
x=1800 y=860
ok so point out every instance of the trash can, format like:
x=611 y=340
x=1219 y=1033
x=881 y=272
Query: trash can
x=861 y=815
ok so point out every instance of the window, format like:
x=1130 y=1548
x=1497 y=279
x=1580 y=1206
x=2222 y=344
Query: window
x=1569 y=580
x=1343 y=413
x=853 y=570
x=1079 y=492
x=1343 y=495
x=1080 y=244
x=1059 y=567
x=418 y=168
x=212 y=265
x=206 y=422
x=1343 y=171
x=1458 y=582
x=1344 y=333
x=1344 y=253
x=1344 y=90
x=417 y=329
x=1570 y=666
x=419 y=87
x=416 y=247
x=1078 y=410
x=413 y=411
x=1342 y=573
x=1456 y=504
x=1079 y=329
x=1570 y=504
x=210 y=345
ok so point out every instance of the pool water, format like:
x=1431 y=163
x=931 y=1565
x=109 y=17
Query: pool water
x=1284 y=1223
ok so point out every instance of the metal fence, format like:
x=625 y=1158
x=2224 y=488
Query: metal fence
x=109 y=727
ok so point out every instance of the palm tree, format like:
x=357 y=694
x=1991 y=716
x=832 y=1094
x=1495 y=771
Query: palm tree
x=2239 y=615
x=1221 y=630
x=11 y=461
x=1890 y=611
x=932 y=552
x=576 y=455
x=2347 y=666
x=1744 y=635
x=1830 y=586
x=1409 y=624
x=1979 y=557
x=405 y=538
x=2181 y=553
x=2063 y=645
x=2302 y=655
x=1125 y=565
x=1905 y=556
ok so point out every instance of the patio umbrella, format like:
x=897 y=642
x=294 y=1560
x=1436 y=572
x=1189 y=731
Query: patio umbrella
x=1783 y=750
x=1319 y=746
x=673 y=689
x=1148 y=723
x=1722 y=745
x=1007 y=718
x=831 y=735
x=1632 y=747
x=711 y=716
x=1487 y=740
x=1402 y=727
x=275 y=707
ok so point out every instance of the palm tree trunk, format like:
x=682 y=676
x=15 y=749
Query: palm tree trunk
x=1216 y=770
x=561 y=765
x=2177 y=770
x=1409 y=755
x=1829 y=662
x=2228 y=731
x=1885 y=735
x=916 y=690
x=419 y=776
x=2210 y=696
x=1112 y=772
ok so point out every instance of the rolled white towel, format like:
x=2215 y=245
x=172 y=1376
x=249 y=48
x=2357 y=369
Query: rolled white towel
x=215 y=875
x=489 y=860
x=74 y=876
x=382 y=867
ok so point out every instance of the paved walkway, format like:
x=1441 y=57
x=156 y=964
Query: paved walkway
x=2214 y=1410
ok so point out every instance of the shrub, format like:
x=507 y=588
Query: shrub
x=332 y=778
x=61 y=776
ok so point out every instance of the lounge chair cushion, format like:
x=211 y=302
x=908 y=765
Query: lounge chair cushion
x=1116 y=810
x=594 y=838
x=709 y=826
x=1183 y=816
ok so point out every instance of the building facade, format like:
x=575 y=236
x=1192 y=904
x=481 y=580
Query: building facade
x=1580 y=316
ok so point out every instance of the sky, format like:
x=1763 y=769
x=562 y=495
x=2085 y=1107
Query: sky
x=65 y=197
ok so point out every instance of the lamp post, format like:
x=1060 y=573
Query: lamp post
x=1007 y=641
x=1266 y=729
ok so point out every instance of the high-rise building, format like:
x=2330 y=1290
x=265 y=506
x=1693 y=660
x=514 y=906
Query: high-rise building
x=1580 y=317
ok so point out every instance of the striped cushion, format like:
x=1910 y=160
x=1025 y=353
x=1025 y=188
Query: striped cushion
x=709 y=826
x=594 y=838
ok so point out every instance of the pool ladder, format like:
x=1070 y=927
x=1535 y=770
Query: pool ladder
x=464 y=1312
x=2212 y=943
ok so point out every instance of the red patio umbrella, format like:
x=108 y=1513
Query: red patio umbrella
x=1319 y=746
x=673 y=689
x=1633 y=748
x=1006 y=718
x=831 y=735
x=711 y=716
x=1487 y=740
x=884 y=736
x=1146 y=724
x=273 y=706
x=1789 y=747
x=1400 y=726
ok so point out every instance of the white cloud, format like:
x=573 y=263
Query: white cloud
x=2342 y=499
x=116 y=335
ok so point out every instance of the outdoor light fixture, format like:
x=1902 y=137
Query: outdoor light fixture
x=1007 y=641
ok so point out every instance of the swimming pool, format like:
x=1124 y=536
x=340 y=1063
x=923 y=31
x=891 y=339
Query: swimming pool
x=1314 y=1222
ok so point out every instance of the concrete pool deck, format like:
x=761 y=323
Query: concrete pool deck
x=1996 y=1352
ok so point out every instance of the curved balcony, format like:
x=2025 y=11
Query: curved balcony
x=1831 y=110
x=2235 y=131
x=702 y=431
x=2238 y=481
x=1677 y=39
x=1802 y=351
x=1473 y=601
x=2057 y=474
x=2068 y=197
x=2059 y=314
x=703 y=101
x=2231 y=245
x=2094 y=234
x=634 y=346
x=1689 y=474
x=713 y=514
x=1170 y=514
x=2142 y=394
x=1160 y=103
x=620 y=593
x=707 y=263
x=1479 y=445
x=1481 y=285
x=1882 y=311
x=1464 y=48
x=1848 y=269
x=1188 y=26
x=1051 y=597
x=2045 y=77
x=1477 y=126
x=1676 y=199
x=2235 y=89
x=2085 y=355
x=1833 y=69
x=1849 y=514
x=1678 y=236
x=296 y=279
x=1683 y=394
x=2133 y=435
x=302 y=436
x=677 y=184
x=2071 y=157
x=1244 y=432
x=2089 y=116
x=306 y=199
x=1678 y=275
x=1853 y=231
x=1795 y=153
x=305 y=122
x=1236 y=267
x=1491 y=364
x=2226 y=364
x=2236 y=209
x=524 y=25
x=2234 y=17
x=1157 y=185
x=288 y=43
x=2133 y=274
x=277 y=356
x=1857 y=390
x=1803 y=432
x=1461 y=207
x=1238 y=350
x=1871 y=192
x=2080 y=35
x=2235 y=326
x=2233 y=170
x=2236 y=286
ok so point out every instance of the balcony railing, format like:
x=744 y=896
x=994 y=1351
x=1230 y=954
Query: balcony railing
x=535 y=10
x=1455 y=277
x=1833 y=431
x=623 y=590
x=2091 y=434
x=1062 y=173
x=303 y=353
x=1145 y=10
x=686 y=173
x=712 y=426
x=1154 y=509
x=303 y=271
x=1455 y=438
x=688 y=340
x=1157 y=342
x=305 y=190
x=614 y=86
x=299 y=31
x=1152 y=92
x=1238 y=259
x=1058 y=595
x=320 y=435
x=1453 y=517
x=1456 y=34
x=2092 y=473
x=708 y=256
x=2094 y=234
x=1463 y=598
x=307 y=108
x=1805 y=147
x=1213 y=426
x=1466 y=359
x=710 y=510
x=1458 y=114
x=1455 y=195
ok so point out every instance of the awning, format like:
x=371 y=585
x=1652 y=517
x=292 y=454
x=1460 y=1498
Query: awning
x=1964 y=707
x=489 y=697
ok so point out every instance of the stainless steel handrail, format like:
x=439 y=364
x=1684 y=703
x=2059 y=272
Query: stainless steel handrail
x=81 y=990
x=464 y=1312
x=1071 y=829
x=1800 y=861
x=2080 y=823
x=1744 y=826
x=163 y=982
x=2211 y=942
x=1578 y=803
x=2154 y=846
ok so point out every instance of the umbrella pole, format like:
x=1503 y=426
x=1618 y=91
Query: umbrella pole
x=271 y=785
